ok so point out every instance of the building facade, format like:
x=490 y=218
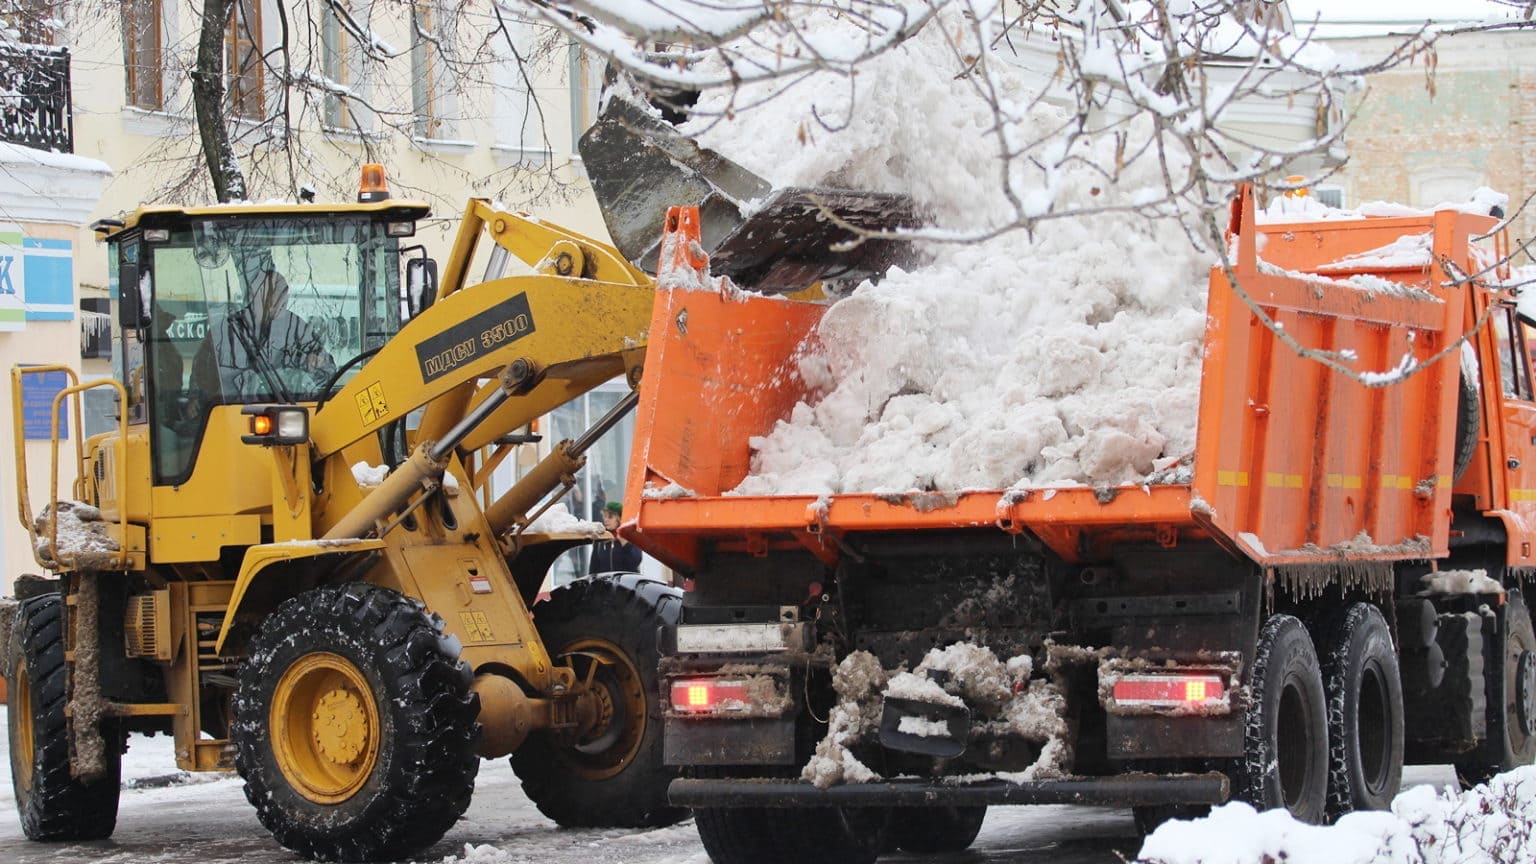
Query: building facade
x=1425 y=134
x=456 y=100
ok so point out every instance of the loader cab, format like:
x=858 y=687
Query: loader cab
x=234 y=305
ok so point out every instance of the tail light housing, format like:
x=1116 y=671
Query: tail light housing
x=1181 y=690
x=710 y=696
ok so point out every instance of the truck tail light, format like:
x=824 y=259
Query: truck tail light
x=1169 y=691
x=708 y=695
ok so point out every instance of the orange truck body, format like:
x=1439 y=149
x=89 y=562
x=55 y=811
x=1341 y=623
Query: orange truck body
x=1294 y=461
x=1321 y=499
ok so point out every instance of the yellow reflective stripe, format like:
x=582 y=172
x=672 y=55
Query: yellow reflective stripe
x=1345 y=481
x=1231 y=478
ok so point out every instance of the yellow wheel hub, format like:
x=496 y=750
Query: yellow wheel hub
x=341 y=727
x=325 y=727
x=22 y=754
x=614 y=739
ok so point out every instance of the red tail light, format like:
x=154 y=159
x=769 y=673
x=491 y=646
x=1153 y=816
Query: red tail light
x=708 y=696
x=1169 y=690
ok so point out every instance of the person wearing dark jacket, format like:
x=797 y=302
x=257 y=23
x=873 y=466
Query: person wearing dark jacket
x=616 y=555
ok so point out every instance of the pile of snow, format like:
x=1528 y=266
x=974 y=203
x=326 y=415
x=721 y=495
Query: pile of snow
x=1070 y=356
x=857 y=680
x=558 y=519
x=1490 y=824
x=1304 y=208
x=1460 y=582
x=1003 y=700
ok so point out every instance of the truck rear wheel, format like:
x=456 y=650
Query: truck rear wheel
x=1512 y=719
x=355 y=725
x=614 y=776
x=51 y=804
x=1285 y=738
x=936 y=829
x=1365 y=711
x=807 y=835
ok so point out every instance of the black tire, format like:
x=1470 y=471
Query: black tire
x=1511 y=702
x=614 y=778
x=420 y=772
x=52 y=804
x=1149 y=816
x=936 y=829
x=805 y=835
x=1365 y=711
x=1285 y=736
x=1468 y=420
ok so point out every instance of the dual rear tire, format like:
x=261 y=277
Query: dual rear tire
x=1323 y=736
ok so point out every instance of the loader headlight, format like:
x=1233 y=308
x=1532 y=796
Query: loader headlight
x=276 y=424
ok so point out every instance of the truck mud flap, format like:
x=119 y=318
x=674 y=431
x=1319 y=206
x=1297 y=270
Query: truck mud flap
x=1122 y=791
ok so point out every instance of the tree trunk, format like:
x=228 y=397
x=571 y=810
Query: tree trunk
x=208 y=101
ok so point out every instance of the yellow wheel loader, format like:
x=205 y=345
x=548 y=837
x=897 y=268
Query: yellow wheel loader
x=288 y=557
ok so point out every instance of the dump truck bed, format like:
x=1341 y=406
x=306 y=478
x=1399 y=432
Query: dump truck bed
x=1295 y=463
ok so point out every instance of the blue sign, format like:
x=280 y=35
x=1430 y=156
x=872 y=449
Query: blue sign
x=37 y=392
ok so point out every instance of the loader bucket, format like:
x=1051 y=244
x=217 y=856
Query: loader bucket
x=772 y=241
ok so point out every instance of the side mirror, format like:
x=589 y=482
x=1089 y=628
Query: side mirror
x=132 y=303
x=420 y=285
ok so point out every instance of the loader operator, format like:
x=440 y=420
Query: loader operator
x=261 y=350
x=615 y=555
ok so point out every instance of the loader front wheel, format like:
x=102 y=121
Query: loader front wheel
x=608 y=629
x=355 y=726
x=52 y=804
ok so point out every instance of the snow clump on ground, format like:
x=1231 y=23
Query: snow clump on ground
x=1493 y=823
x=1069 y=356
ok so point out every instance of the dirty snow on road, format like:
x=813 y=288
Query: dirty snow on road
x=168 y=818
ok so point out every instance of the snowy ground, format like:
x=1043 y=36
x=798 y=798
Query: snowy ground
x=171 y=818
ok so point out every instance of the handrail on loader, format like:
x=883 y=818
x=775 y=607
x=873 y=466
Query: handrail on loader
x=23 y=500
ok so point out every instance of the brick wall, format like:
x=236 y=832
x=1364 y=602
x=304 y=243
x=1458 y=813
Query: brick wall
x=1477 y=127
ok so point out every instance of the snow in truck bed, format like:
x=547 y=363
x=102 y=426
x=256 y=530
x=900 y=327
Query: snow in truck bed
x=1067 y=356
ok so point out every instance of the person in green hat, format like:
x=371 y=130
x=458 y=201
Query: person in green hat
x=615 y=555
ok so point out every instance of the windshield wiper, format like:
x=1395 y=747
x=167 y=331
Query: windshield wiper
x=259 y=360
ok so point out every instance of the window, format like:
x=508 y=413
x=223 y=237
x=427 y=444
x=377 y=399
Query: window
x=337 y=49
x=224 y=331
x=1514 y=378
x=29 y=20
x=586 y=82
x=428 y=95
x=243 y=60
x=142 y=58
x=523 y=60
x=1329 y=196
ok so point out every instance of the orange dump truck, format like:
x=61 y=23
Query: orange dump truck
x=1335 y=591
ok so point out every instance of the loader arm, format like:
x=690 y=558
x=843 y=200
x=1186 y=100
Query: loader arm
x=580 y=320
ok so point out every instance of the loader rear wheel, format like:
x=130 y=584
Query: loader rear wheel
x=52 y=804
x=355 y=725
x=608 y=628
x=1285 y=737
x=1365 y=711
x=1511 y=702
x=936 y=829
